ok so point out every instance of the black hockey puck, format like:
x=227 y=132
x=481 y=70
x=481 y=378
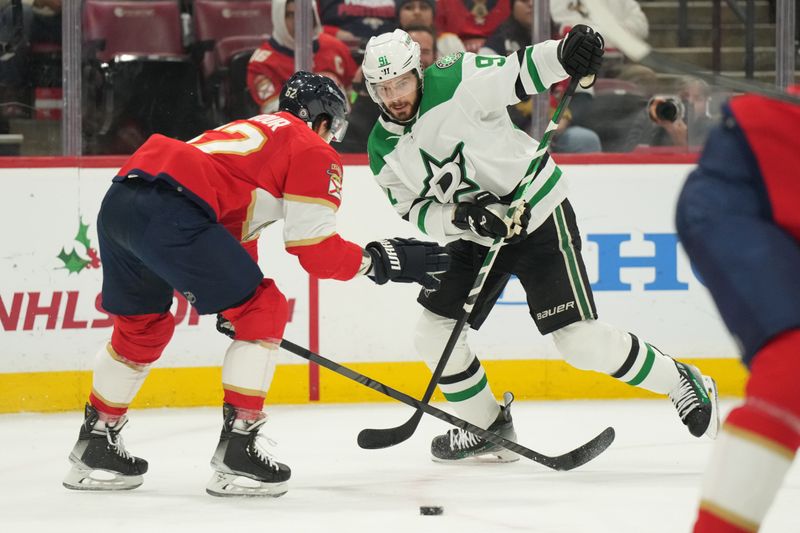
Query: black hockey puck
x=431 y=510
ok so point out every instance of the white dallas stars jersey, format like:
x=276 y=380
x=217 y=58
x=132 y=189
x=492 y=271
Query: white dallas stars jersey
x=463 y=141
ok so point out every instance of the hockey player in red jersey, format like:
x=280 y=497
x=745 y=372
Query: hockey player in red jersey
x=186 y=217
x=739 y=222
x=272 y=64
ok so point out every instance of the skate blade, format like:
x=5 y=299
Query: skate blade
x=487 y=458
x=232 y=485
x=81 y=477
x=711 y=390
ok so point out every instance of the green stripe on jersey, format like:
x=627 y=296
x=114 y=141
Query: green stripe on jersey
x=534 y=73
x=380 y=143
x=423 y=211
x=546 y=187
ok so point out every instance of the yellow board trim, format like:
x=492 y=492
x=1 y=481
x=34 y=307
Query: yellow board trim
x=192 y=387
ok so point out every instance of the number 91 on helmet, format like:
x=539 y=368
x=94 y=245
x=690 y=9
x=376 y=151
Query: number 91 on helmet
x=386 y=59
x=314 y=98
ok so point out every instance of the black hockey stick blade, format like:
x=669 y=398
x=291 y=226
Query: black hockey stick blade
x=572 y=459
x=375 y=439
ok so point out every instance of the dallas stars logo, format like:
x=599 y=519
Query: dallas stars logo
x=73 y=262
x=447 y=179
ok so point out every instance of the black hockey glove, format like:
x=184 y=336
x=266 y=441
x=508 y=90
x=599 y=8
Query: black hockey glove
x=407 y=261
x=225 y=326
x=483 y=217
x=581 y=51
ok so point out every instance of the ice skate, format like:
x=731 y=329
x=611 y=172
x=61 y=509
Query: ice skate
x=99 y=459
x=695 y=398
x=242 y=467
x=458 y=444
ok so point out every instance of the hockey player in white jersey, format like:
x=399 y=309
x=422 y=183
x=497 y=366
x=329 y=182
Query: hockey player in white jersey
x=449 y=159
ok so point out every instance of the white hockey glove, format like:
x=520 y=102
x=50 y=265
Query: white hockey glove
x=485 y=217
x=519 y=224
x=407 y=261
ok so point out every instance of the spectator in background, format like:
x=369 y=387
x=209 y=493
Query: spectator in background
x=273 y=63
x=567 y=13
x=472 y=20
x=515 y=34
x=679 y=118
x=355 y=21
x=420 y=13
x=423 y=36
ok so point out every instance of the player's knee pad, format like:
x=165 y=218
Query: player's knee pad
x=263 y=317
x=142 y=338
x=430 y=338
x=592 y=345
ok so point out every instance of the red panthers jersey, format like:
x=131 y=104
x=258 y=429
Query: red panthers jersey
x=272 y=64
x=477 y=20
x=250 y=173
x=772 y=129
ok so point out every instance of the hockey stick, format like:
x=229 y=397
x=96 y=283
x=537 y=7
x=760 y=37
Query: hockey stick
x=382 y=438
x=573 y=459
x=642 y=53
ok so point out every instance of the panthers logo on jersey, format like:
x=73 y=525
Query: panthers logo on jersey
x=335 y=185
x=447 y=179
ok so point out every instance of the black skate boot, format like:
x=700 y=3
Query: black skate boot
x=99 y=459
x=695 y=398
x=458 y=444
x=242 y=467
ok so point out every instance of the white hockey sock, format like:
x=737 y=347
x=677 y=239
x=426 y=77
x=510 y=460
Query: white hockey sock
x=646 y=367
x=470 y=395
x=751 y=456
x=463 y=381
x=596 y=345
x=116 y=380
x=247 y=374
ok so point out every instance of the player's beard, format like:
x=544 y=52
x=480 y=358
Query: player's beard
x=402 y=112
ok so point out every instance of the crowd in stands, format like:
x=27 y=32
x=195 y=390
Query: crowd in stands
x=206 y=62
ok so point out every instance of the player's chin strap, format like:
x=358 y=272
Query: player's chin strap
x=383 y=438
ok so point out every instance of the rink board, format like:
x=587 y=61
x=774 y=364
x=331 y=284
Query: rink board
x=52 y=323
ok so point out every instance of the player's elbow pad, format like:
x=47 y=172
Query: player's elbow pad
x=333 y=258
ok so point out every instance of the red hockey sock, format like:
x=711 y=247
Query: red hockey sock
x=757 y=444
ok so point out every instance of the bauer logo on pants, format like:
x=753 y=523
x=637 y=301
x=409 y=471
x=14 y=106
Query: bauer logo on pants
x=555 y=310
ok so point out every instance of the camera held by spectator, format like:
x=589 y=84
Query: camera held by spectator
x=667 y=108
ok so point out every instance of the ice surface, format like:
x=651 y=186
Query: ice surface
x=647 y=482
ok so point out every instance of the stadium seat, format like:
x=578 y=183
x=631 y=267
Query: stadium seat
x=226 y=34
x=218 y=21
x=137 y=70
x=128 y=30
